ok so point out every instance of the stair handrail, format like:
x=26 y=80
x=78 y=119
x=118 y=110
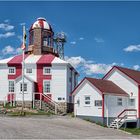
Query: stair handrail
x=50 y=99
x=124 y=111
x=56 y=105
x=119 y=118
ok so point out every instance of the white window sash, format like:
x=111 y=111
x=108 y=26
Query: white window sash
x=10 y=70
x=45 y=69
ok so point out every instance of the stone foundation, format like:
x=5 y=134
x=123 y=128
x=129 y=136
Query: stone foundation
x=27 y=104
x=63 y=107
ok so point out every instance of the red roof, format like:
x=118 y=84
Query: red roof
x=46 y=59
x=105 y=86
x=133 y=74
x=17 y=59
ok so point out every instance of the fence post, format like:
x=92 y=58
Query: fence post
x=33 y=100
x=40 y=101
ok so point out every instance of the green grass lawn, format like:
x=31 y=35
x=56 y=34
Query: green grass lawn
x=26 y=113
x=133 y=131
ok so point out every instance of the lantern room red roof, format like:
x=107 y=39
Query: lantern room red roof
x=41 y=23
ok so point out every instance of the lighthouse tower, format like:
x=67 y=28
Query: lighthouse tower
x=41 y=38
x=46 y=73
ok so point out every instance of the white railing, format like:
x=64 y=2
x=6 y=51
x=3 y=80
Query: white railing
x=52 y=102
x=127 y=114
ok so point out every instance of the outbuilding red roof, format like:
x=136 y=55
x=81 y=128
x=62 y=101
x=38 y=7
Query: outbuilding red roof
x=107 y=86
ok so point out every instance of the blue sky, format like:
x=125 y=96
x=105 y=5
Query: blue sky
x=99 y=34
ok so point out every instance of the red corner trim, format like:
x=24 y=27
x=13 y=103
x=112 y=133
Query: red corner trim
x=103 y=105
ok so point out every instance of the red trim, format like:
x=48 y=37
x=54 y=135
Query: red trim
x=139 y=101
x=78 y=85
x=103 y=105
x=125 y=111
x=16 y=62
x=41 y=77
x=41 y=23
x=10 y=97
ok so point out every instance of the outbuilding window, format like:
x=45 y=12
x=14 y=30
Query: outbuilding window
x=98 y=102
x=132 y=102
x=87 y=100
x=119 y=101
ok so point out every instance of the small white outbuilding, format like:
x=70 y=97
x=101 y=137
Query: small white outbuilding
x=112 y=100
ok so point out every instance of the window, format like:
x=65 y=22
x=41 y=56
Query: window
x=29 y=70
x=132 y=102
x=98 y=102
x=87 y=100
x=12 y=70
x=45 y=41
x=11 y=86
x=46 y=70
x=25 y=87
x=59 y=98
x=47 y=86
x=119 y=101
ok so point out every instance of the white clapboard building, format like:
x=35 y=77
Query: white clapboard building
x=113 y=100
x=45 y=71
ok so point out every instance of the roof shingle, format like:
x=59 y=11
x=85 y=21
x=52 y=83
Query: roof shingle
x=106 y=86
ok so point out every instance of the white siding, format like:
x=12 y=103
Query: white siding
x=111 y=106
x=28 y=94
x=32 y=75
x=30 y=62
x=124 y=82
x=3 y=82
x=59 y=83
x=87 y=110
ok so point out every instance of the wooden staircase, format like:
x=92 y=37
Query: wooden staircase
x=127 y=115
x=47 y=104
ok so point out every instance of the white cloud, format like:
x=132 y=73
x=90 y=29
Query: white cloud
x=81 y=38
x=6 y=20
x=6 y=27
x=6 y=35
x=98 y=40
x=73 y=42
x=136 y=67
x=89 y=67
x=132 y=48
x=10 y=50
x=75 y=61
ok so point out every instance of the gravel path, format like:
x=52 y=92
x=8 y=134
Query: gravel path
x=41 y=127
